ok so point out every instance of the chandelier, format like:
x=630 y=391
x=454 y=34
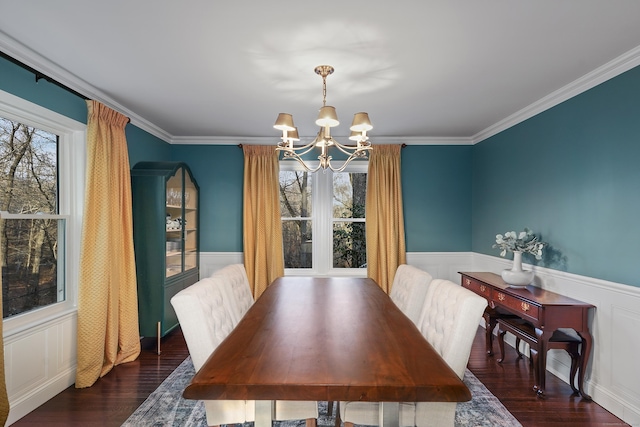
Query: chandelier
x=327 y=119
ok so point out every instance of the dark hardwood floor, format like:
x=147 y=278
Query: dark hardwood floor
x=114 y=397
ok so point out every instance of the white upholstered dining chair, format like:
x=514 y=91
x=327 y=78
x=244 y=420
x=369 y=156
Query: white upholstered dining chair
x=205 y=316
x=409 y=289
x=449 y=321
x=235 y=285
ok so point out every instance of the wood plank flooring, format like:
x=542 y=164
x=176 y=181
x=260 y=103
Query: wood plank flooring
x=115 y=396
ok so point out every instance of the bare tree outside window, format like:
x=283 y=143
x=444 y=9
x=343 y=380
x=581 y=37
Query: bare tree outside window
x=349 y=238
x=29 y=235
x=338 y=216
x=295 y=208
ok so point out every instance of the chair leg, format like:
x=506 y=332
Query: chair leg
x=576 y=358
x=518 y=348
x=330 y=408
x=311 y=422
x=338 y=420
x=501 y=334
x=536 y=369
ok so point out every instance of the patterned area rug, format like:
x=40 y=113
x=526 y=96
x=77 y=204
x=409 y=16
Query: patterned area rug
x=166 y=407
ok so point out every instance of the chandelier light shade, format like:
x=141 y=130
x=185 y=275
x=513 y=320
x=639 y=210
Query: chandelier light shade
x=327 y=118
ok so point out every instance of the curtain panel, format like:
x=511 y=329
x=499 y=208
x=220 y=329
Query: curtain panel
x=385 y=219
x=262 y=228
x=108 y=331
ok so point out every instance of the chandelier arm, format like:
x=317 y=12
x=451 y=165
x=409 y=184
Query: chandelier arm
x=348 y=150
x=298 y=151
x=304 y=165
x=341 y=168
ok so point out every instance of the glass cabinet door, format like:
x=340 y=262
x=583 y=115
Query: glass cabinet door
x=174 y=228
x=190 y=223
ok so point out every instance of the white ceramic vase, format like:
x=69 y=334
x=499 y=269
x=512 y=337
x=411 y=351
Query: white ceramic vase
x=517 y=277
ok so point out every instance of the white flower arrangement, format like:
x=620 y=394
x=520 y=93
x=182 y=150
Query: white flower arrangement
x=525 y=242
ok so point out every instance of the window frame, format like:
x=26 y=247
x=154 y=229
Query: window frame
x=322 y=221
x=71 y=182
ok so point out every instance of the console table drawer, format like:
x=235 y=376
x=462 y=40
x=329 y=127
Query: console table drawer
x=477 y=287
x=523 y=308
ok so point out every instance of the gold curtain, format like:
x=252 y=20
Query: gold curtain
x=107 y=296
x=385 y=221
x=4 y=398
x=262 y=229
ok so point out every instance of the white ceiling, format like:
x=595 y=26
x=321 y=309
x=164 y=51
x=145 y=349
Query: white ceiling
x=199 y=70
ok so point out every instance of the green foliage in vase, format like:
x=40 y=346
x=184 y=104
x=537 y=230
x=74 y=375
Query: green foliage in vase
x=525 y=242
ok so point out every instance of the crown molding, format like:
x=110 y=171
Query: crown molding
x=619 y=65
x=36 y=61
x=233 y=140
x=609 y=70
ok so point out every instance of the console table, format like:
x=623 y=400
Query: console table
x=547 y=311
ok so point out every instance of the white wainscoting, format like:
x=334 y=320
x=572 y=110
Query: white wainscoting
x=612 y=377
x=210 y=262
x=40 y=362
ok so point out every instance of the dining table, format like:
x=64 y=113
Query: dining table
x=326 y=339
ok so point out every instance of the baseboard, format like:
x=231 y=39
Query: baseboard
x=36 y=397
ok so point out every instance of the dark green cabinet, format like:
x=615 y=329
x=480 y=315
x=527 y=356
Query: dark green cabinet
x=165 y=229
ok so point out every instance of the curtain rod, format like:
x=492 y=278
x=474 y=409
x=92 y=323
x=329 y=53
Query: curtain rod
x=39 y=75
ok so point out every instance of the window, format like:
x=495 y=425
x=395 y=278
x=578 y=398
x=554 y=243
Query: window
x=42 y=159
x=323 y=220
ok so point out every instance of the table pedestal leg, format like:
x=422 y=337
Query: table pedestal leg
x=264 y=413
x=389 y=414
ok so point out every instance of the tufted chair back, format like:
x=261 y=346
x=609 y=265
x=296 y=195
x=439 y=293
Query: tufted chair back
x=235 y=284
x=409 y=289
x=449 y=321
x=208 y=311
x=204 y=315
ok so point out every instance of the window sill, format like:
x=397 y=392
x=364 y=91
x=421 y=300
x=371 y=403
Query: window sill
x=13 y=327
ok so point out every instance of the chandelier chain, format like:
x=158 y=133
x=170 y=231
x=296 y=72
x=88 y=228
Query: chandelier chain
x=324 y=91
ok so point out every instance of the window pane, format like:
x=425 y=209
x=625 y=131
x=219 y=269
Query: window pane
x=349 y=194
x=30 y=247
x=349 y=245
x=295 y=194
x=29 y=169
x=30 y=277
x=296 y=241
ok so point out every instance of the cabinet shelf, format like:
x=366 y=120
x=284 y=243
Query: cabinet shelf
x=167 y=260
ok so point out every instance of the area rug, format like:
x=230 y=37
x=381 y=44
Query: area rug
x=165 y=406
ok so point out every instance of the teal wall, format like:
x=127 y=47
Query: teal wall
x=436 y=187
x=145 y=147
x=572 y=175
x=436 y=184
x=20 y=82
x=218 y=169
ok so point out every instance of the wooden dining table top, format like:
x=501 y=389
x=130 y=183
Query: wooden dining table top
x=326 y=339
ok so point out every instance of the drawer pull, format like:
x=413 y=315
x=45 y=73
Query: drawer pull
x=483 y=288
x=500 y=296
x=467 y=282
x=525 y=306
